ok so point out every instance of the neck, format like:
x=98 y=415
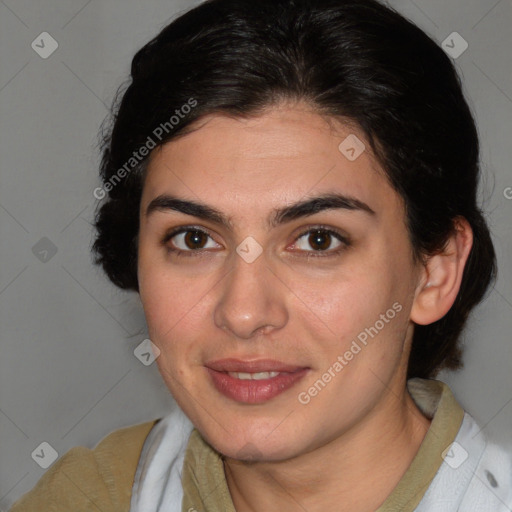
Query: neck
x=356 y=471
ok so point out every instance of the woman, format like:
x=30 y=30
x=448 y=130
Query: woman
x=291 y=188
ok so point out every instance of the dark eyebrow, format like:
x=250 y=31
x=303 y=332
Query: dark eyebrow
x=282 y=215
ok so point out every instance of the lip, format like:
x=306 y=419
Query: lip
x=253 y=391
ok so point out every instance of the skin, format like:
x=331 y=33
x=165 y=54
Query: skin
x=349 y=446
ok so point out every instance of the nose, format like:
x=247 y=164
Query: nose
x=252 y=300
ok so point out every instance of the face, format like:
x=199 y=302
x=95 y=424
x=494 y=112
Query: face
x=276 y=276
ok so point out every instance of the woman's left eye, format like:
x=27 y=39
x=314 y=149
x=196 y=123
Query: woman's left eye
x=322 y=241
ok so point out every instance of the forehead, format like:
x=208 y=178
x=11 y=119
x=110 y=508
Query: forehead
x=276 y=157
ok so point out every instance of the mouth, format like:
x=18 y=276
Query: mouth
x=253 y=382
x=253 y=376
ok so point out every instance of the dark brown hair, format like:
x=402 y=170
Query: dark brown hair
x=355 y=59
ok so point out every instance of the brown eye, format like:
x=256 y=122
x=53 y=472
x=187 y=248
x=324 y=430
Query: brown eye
x=195 y=239
x=320 y=240
x=188 y=240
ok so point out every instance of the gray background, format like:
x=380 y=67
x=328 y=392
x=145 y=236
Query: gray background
x=68 y=375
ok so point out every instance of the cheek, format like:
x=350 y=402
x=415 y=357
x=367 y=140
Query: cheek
x=154 y=297
x=175 y=310
x=159 y=296
x=161 y=292
x=369 y=305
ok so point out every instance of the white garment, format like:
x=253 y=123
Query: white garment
x=157 y=482
x=476 y=475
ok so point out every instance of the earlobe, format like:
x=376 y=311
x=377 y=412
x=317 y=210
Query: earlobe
x=441 y=276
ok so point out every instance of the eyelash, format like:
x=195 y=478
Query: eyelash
x=315 y=254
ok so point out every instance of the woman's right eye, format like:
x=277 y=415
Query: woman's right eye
x=188 y=240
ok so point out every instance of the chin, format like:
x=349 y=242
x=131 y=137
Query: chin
x=253 y=447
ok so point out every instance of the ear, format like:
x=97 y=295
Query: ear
x=441 y=276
